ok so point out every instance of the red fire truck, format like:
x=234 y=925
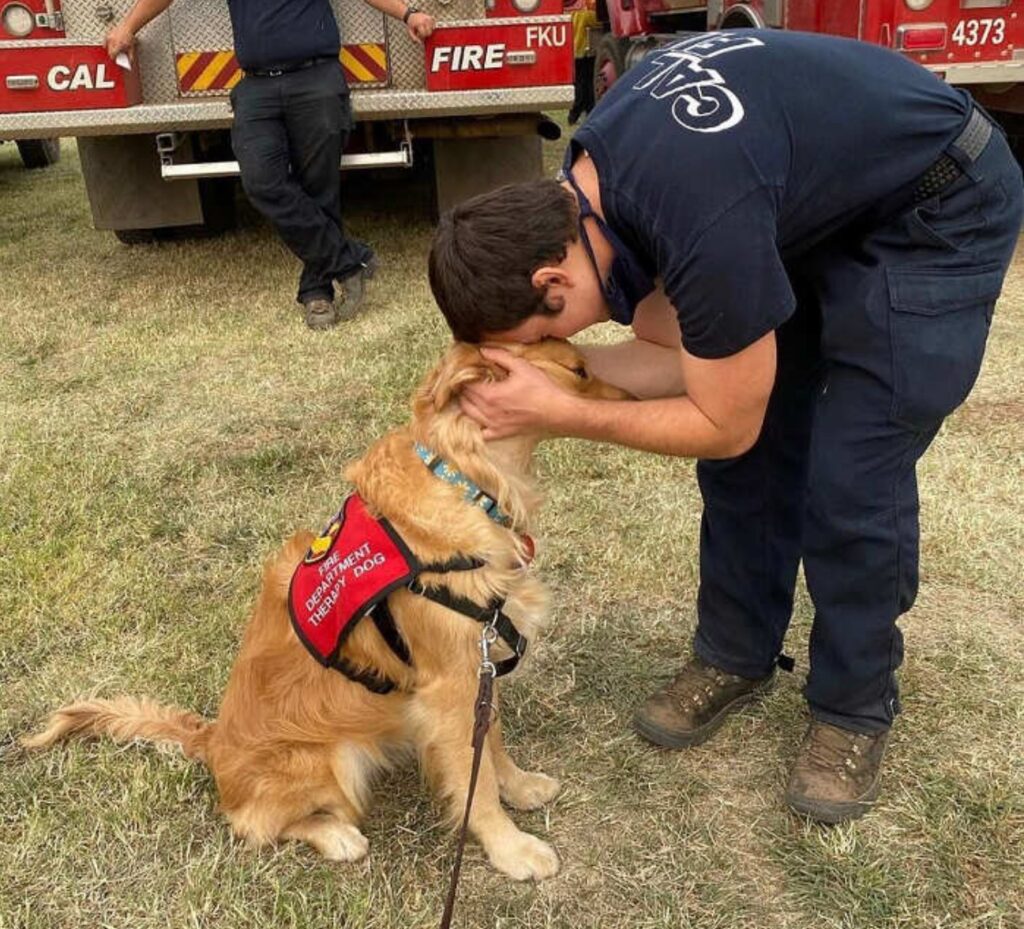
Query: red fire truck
x=977 y=43
x=153 y=137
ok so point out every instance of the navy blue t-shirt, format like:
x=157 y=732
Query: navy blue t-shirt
x=721 y=155
x=270 y=33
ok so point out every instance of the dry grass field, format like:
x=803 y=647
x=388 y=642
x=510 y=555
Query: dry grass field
x=166 y=419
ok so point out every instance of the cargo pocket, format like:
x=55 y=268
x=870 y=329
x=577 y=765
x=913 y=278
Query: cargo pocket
x=938 y=327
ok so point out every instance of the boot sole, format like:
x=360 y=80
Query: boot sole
x=834 y=813
x=672 y=738
x=320 y=322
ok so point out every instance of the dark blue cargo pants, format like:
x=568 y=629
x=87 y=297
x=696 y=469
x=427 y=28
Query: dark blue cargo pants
x=886 y=341
x=288 y=135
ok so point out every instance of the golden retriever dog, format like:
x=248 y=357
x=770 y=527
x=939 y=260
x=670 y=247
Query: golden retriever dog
x=296 y=744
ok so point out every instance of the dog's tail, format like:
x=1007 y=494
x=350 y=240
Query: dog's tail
x=124 y=719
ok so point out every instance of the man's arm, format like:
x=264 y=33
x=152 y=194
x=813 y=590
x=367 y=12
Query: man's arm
x=644 y=369
x=720 y=417
x=122 y=37
x=651 y=365
x=419 y=25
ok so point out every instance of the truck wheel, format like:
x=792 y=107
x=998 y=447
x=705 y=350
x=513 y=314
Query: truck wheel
x=217 y=197
x=135 y=236
x=609 y=63
x=39 y=153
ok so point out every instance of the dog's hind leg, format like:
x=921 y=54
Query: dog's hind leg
x=521 y=790
x=327 y=826
x=445 y=714
x=334 y=838
x=302 y=800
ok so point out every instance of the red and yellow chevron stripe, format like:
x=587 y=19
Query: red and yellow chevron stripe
x=365 y=64
x=206 y=71
x=218 y=71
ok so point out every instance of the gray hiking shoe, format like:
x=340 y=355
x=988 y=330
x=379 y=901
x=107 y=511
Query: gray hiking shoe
x=320 y=313
x=694 y=705
x=837 y=773
x=354 y=287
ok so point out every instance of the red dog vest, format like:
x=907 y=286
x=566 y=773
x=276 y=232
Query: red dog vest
x=352 y=566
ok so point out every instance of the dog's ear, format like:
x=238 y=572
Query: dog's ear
x=462 y=364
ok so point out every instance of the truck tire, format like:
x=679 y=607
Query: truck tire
x=609 y=63
x=39 y=153
x=135 y=236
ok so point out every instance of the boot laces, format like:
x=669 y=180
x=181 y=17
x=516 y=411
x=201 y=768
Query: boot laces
x=696 y=683
x=832 y=749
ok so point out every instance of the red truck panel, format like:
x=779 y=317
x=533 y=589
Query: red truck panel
x=503 y=8
x=832 y=18
x=526 y=54
x=976 y=30
x=976 y=34
x=64 y=77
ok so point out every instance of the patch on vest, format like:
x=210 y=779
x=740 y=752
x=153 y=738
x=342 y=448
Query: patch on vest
x=353 y=565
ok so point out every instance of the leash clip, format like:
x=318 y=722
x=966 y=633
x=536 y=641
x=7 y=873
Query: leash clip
x=488 y=636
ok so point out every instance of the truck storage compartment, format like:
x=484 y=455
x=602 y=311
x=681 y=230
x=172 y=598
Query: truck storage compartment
x=63 y=75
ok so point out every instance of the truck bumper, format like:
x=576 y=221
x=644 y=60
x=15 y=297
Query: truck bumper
x=216 y=114
x=994 y=72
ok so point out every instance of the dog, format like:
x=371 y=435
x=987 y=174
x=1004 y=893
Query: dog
x=296 y=744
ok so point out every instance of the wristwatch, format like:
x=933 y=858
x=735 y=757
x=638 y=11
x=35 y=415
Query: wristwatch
x=409 y=10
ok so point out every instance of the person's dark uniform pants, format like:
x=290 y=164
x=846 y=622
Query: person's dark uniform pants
x=887 y=340
x=288 y=135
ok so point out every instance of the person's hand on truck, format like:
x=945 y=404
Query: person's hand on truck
x=121 y=38
x=420 y=25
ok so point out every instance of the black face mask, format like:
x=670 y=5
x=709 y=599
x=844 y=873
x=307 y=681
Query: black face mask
x=628 y=283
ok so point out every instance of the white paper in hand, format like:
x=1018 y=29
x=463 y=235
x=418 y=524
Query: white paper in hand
x=123 y=61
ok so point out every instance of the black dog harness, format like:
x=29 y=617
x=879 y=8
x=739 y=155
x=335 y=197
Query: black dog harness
x=359 y=560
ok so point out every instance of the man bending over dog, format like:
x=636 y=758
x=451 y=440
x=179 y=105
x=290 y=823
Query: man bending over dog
x=807 y=236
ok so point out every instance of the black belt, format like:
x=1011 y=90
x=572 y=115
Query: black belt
x=970 y=144
x=287 y=68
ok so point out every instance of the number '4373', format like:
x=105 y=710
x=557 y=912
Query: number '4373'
x=980 y=31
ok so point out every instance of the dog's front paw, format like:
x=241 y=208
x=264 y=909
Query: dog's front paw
x=529 y=791
x=524 y=857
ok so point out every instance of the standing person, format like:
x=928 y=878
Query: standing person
x=584 y=18
x=292 y=119
x=808 y=236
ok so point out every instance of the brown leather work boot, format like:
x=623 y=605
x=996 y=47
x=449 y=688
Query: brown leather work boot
x=691 y=708
x=354 y=287
x=837 y=772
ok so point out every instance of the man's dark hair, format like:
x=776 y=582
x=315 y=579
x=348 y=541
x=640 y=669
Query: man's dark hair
x=486 y=250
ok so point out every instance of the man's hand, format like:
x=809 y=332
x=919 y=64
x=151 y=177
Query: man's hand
x=121 y=39
x=526 y=401
x=420 y=26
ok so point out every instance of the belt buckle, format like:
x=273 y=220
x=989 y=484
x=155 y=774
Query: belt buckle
x=275 y=72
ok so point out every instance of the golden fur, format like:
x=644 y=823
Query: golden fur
x=294 y=747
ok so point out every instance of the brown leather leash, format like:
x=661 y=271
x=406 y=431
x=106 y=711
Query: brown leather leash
x=481 y=724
